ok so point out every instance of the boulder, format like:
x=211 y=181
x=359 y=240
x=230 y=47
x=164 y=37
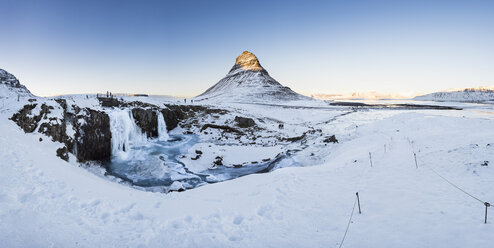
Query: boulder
x=330 y=139
x=63 y=153
x=244 y=122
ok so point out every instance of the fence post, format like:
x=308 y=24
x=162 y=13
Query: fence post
x=358 y=200
x=370 y=158
x=486 y=206
x=415 y=156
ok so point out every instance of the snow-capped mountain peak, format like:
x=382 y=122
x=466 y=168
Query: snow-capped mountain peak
x=248 y=61
x=248 y=81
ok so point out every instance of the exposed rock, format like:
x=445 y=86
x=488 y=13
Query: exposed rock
x=12 y=84
x=93 y=136
x=172 y=117
x=331 y=139
x=173 y=114
x=244 y=122
x=55 y=129
x=294 y=139
x=25 y=119
x=248 y=61
x=218 y=161
x=225 y=128
x=63 y=153
x=109 y=101
x=147 y=120
x=176 y=186
x=198 y=155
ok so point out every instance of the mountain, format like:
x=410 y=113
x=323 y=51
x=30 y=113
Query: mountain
x=370 y=95
x=10 y=86
x=248 y=81
x=480 y=94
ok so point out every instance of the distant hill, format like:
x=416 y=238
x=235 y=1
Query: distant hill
x=480 y=94
x=370 y=95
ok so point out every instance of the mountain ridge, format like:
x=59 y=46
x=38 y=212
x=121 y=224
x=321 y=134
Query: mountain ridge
x=479 y=94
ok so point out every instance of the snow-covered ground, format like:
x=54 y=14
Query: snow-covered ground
x=47 y=202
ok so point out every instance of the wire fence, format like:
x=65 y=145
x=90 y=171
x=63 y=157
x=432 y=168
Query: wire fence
x=454 y=185
x=349 y=221
x=485 y=203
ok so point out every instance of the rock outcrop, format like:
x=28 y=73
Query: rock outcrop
x=244 y=122
x=173 y=114
x=25 y=120
x=86 y=132
x=93 y=136
x=147 y=120
x=10 y=86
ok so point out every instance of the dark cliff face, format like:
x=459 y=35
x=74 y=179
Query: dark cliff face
x=92 y=140
x=93 y=136
x=50 y=126
x=147 y=120
x=24 y=119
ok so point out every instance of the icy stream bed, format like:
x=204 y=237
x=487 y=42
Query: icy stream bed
x=156 y=166
x=155 y=163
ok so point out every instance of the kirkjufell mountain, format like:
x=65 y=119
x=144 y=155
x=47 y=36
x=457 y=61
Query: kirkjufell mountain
x=10 y=85
x=248 y=81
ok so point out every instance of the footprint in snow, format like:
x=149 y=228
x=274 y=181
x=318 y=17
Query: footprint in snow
x=238 y=220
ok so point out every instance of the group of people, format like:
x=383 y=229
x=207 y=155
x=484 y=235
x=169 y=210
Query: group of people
x=108 y=94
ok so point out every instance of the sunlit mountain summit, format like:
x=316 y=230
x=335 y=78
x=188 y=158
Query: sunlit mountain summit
x=248 y=81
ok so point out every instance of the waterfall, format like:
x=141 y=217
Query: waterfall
x=162 y=131
x=125 y=133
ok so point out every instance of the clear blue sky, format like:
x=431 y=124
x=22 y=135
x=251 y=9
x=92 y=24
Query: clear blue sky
x=183 y=47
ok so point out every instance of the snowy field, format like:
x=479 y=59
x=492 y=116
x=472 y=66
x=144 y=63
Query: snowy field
x=47 y=202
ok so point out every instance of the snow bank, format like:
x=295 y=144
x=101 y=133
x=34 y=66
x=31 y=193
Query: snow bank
x=45 y=201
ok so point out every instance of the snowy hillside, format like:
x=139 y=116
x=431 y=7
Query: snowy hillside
x=481 y=94
x=92 y=171
x=10 y=87
x=248 y=81
x=48 y=202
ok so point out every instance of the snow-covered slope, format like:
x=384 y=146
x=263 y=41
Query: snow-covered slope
x=248 y=81
x=10 y=86
x=480 y=94
x=47 y=202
